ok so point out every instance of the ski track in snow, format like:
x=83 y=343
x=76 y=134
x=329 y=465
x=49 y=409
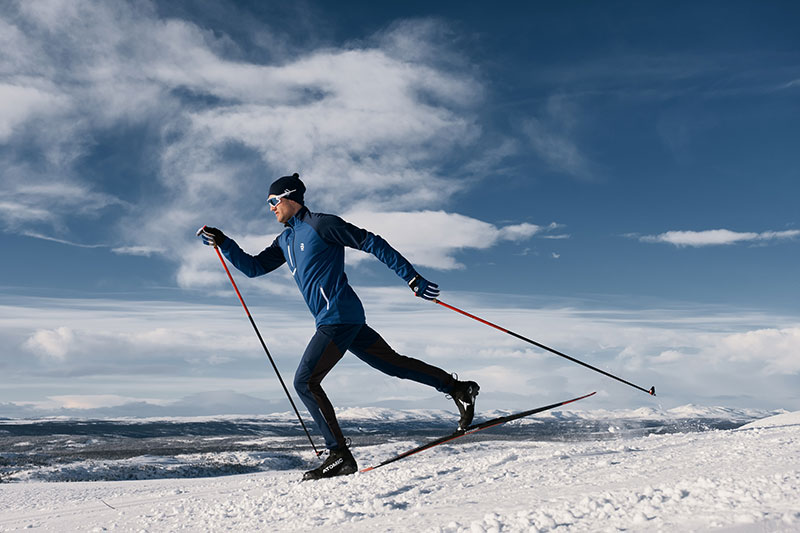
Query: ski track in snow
x=743 y=480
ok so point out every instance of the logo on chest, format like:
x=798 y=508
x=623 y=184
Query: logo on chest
x=302 y=247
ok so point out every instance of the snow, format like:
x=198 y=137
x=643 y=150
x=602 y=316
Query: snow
x=785 y=419
x=735 y=480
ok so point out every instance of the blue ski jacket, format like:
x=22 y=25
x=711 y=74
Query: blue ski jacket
x=313 y=247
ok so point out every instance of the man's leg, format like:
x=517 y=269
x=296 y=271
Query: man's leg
x=323 y=352
x=376 y=352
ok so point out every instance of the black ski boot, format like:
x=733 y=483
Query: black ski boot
x=464 y=394
x=340 y=462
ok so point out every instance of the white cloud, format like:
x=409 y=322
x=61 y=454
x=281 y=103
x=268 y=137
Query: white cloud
x=15 y=213
x=37 y=235
x=365 y=137
x=518 y=232
x=776 y=350
x=433 y=238
x=168 y=350
x=54 y=343
x=89 y=401
x=717 y=237
x=552 y=136
x=367 y=125
x=145 y=251
x=19 y=103
x=555 y=147
x=28 y=206
x=105 y=338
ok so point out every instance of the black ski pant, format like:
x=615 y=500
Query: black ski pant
x=328 y=346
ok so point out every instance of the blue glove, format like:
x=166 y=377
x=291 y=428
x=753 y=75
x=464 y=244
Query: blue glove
x=211 y=236
x=424 y=288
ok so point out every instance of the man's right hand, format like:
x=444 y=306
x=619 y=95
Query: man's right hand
x=211 y=236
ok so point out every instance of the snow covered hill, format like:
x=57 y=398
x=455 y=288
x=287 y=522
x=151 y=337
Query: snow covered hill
x=738 y=480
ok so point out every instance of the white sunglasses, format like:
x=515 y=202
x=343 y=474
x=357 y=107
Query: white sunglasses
x=275 y=200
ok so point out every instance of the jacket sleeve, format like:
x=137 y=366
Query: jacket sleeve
x=251 y=266
x=334 y=229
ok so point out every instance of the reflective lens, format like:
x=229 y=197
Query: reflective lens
x=275 y=200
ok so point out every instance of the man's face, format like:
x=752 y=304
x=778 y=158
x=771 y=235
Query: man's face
x=285 y=209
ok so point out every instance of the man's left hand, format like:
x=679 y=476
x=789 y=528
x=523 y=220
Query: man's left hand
x=424 y=288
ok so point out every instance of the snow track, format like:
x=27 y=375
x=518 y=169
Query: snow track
x=741 y=480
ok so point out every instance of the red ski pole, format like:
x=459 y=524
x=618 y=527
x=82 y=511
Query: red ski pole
x=651 y=391
x=264 y=345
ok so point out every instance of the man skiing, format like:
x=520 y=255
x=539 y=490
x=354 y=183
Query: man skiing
x=312 y=245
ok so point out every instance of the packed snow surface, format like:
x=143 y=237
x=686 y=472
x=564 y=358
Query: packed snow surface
x=744 y=479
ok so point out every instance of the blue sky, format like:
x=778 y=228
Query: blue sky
x=615 y=179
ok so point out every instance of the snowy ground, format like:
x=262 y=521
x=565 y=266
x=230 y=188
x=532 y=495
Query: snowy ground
x=738 y=480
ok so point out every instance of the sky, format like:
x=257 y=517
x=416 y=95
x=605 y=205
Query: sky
x=616 y=180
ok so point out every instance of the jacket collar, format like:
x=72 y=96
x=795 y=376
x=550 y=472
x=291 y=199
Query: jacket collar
x=292 y=222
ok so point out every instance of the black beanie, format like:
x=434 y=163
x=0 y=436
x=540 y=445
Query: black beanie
x=289 y=183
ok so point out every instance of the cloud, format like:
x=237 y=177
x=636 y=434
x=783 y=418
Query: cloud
x=88 y=401
x=206 y=403
x=433 y=238
x=716 y=237
x=167 y=350
x=103 y=338
x=18 y=104
x=26 y=206
x=552 y=137
x=15 y=213
x=369 y=124
x=553 y=226
x=43 y=237
x=774 y=349
x=366 y=135
x=54 y=343
x=555 y=147
x=145 y=251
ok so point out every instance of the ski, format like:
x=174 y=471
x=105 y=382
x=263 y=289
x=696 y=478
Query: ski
x=474 y=428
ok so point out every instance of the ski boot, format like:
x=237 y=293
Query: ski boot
x=464 y=393
x=340 y=462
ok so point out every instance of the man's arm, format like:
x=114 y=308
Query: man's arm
x=333 y=229
x=251 y=266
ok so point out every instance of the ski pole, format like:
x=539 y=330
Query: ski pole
x=264 y=345
x=651 y=391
